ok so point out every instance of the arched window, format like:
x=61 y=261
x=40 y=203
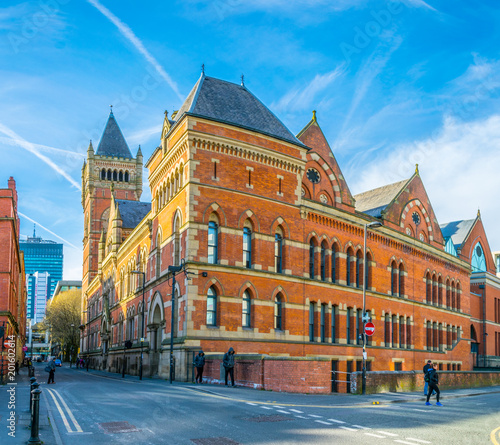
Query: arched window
x=211 y=307
x=350 y=256
x=311 y=259
x=348 y=325
x=334 y=263
x=448 y=293
x=312 y=319
x=246 y=310
x=359 y=269
x=408 y=333
x=115 y=175
x=440 y=291
x=109 y=175
x=394 y=279
x=278 y=252
x=103 y=174
x=387 y=330
x=126 y=176
x=213 y=238
x=177 y=240
x=368 y=272
x=323 y=261
x=434 y=290
x=158 y=255
x=459 y=293
x=120 y=176
x=428 y=288
x=478 y=262
x=334 y=323
x=453 y=295
x=176 y=313
x=247 y=247
x=401 y=284
x=278 y=320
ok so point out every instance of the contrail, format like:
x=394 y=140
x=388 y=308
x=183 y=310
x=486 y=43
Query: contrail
x=32 y=149
x=132 y=38
x=47 y=230
x=18 y=143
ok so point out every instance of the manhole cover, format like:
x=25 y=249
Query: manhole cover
x=271 y=418
x=215 y=441
x=117 y=427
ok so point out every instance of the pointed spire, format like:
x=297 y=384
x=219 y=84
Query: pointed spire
x=139 y=152
x=112 y=141
x=90 y=150
x=314 y=116
x=478 y=213
x=102 y=239
x=202 y=69
x=112 y=189
x=242 y=80
x=111 y=110
x=416 y=169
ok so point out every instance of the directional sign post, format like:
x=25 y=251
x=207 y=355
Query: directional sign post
x=369 y=329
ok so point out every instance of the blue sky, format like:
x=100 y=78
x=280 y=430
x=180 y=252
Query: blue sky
x=394 y=83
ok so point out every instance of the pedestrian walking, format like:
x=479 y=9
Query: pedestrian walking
x=17 y=367
x=199 y=363
x=427 y=367
x=52 y=369
x=433 y=378
x=228 y=362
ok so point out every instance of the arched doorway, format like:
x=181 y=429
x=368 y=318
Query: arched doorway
x=156 y=338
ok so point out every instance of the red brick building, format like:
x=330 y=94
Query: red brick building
x=12 y=284
x=267 y=224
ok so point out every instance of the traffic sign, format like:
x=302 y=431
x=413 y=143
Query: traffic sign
x=369 y=329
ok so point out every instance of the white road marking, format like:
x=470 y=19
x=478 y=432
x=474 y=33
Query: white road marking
x=417 y=440
x=281 y=411
x=389 y=434
x=277 y=406
x=297 y=411
x=407 y=443
x=336 y=421
x=376 y=435
x=65 y=421
x=253 y=404
x=321 y=421
x=422 y=410
x=316 y=417
x=71 y=416
x=347 y=428
x=362 y=427
x=301 y=417
x=265 y=407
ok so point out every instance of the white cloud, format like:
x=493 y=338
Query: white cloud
x=46 y=148
x=143 y=135
x=459 y=168
x=139 y=46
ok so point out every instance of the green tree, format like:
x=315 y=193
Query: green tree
x=62 y=319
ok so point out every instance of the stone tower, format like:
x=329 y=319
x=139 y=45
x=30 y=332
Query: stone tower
x=111 y=170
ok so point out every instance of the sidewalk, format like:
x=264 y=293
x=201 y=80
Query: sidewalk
x=22 y=412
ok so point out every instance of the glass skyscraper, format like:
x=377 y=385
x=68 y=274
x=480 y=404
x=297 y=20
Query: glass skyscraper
x=42 y=256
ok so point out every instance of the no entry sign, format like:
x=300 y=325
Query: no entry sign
x=369 y=329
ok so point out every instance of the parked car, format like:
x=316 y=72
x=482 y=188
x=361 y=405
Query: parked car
x=58 y=362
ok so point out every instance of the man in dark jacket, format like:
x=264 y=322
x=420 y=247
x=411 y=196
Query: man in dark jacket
x=199 y=363
x=427 y=367
x=228 y=362
x=433 y=385
x=52 y=367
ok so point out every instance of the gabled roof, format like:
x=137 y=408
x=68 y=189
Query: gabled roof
x=230 y=103
x=457 y=231
x=374 y=202
x=132 y=212
x=112 y=141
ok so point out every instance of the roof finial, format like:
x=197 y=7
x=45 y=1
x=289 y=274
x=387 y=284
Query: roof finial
x=242 y=80
x=111 y=110
x=314 y=115
x=478 y=213
x=416 y=169
x=203 y=69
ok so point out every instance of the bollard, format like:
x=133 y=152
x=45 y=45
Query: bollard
x=35 y=386
x=32 y=381
x=35 y=417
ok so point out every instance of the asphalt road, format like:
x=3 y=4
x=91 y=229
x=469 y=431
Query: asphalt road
x=88 y=408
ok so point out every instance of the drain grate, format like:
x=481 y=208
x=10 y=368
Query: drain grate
x=271 y=418
x=215 y=441
x=117 y=427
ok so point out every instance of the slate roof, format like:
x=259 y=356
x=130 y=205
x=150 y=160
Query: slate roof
x=112 y=141
x=230 y=103
x=132 y=212
x=457 y=230
x=373 y=202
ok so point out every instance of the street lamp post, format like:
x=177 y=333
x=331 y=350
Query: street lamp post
x=365 y=318
x=142 y=333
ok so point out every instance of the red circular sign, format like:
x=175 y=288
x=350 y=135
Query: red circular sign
x=369 y=329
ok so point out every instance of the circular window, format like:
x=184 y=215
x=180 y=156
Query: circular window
x=408 y=231
x=313 y=175
x=323 y=198
x=479 y=252
x=416 y=218
x=422 y=237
